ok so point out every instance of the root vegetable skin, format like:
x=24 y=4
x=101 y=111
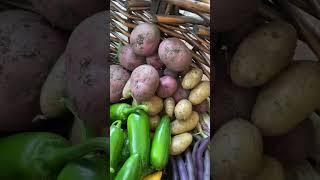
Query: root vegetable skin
x=155 y=61
x=200 y=93
x=175 y=54
x=154 y=104
x=192 y=78
x=168 y=72
x=183 y=109
x=154 y=122
x=126 y=93
x=145 y=39
x=118 y=79
x=182 y=126
x=128 y=59
x=167 y=86
x=180 y=143
x=180 y=93
x=144 y=82
x=169 y=106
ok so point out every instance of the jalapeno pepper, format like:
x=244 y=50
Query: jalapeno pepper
x=121 y=111
x=41 y=155
x=117 y=138
x=139 y=135
x=131 y=169
x=125 y=152
x=161 y=144
x=88 y=168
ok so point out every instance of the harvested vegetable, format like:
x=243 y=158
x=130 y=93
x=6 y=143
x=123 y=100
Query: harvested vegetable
x=128 y=59
x=301 y=171
x=200 y=93
x=117 y=139
x=154 y=60
x=200 y=166
x=121 y=111
x=175 y=172
x=179 y=143
x=167 y=86
x=22 y=163
x=190 y=165
x=154 y=122
x=126 y=93
x=118 y=79
x=182 y=169
x=180 y=93
x=139 y=135
x=168 y=72
x=160 y=148
x=131 y=169
x=202 y=107
x=182 y=126
x=155 y=176
x=183 y=109
x=154 y=105
x=192 y=78
x=169 y=106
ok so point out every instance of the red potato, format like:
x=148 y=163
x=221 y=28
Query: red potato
x=28 y=50
x=175 y=54
x=293 y=147
x=128 y=59
x=155 y=61
x=202 y=107
x=87 y=70
x=67 y=14
x=145 y=39
x=167 y=86
x=118 y=79
x=180 y=93
x=168 y=72
x=144 y=82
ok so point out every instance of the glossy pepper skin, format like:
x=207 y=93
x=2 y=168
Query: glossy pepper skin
x=139 y=135
x=131 y=170
x=121 y=111
x=41 y=155
x=159 y=155
x=125 y=152
x=88 y=168
x=117 y=139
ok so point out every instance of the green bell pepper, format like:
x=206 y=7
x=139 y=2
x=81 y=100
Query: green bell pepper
x=87 y=168
x=117 y=138
x=160 y=148
x=139 y=135
x=121 y=111
x=131 y=170
x=41 y=155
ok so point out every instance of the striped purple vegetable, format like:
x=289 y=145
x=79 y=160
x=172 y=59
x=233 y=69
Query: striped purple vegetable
x=182 y=168
x=175 y=173
x=203 y=146
x=206 y=165
x=190 y=165
x=194 y=153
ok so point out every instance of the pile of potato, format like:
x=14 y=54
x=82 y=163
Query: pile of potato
x=161 y=76
x=278 y=136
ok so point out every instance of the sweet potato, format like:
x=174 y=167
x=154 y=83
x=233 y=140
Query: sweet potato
x=175 y=54
x=87 y=70
x=128 y=59
x=118 y=79
x=67 y=14
x=167 y=86
x=144 y=82
x=145 y=39
x=53 y=90
x=28 y=48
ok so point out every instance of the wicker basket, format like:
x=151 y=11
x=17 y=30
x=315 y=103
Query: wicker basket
x=184 y=19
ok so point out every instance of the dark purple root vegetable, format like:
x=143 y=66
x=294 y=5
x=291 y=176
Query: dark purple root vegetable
x=128 y=59
x=67 y=14
x=87 y=70
x=175 y=173
x=155 y=61
x=202 y=107
x=190 y=165
x=182 y=168
x=203 y=146
x=180 y=93
x=194 y=157
x=29 y=48
x=206 y=171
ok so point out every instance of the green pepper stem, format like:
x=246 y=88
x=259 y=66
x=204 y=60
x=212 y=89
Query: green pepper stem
x=134 y=109
x=63 y=155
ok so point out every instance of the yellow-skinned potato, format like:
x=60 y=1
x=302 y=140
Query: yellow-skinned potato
x=169 y=105
x=288 y=100
x=126 y=91
x=271 y=170
x=237 y=150
x=154 y=104
x=192 y=78
x=263 y=54
x=181 y=126
x=179 y=143
x=183 y=109
x=200 y=93
x=154 y=122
